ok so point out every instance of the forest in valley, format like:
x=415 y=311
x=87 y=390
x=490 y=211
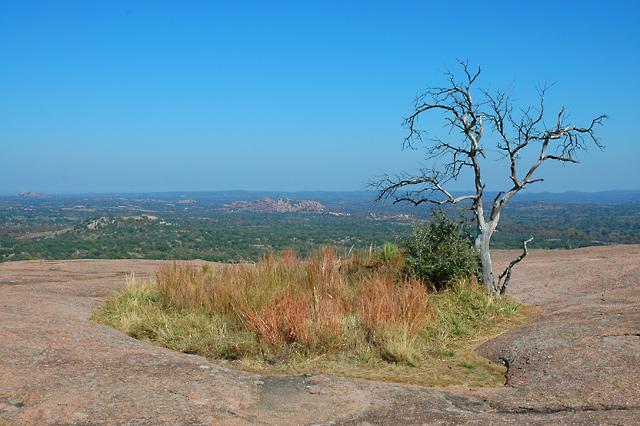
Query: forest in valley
x=239 y=226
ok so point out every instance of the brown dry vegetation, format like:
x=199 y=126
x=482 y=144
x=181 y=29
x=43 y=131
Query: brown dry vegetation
x=355 y=315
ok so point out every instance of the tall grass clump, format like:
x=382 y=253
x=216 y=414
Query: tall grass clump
x=330 y=310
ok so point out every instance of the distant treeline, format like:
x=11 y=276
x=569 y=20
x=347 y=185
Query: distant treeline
x=179 y=226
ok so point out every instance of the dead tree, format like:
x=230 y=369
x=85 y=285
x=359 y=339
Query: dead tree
x=513 y=132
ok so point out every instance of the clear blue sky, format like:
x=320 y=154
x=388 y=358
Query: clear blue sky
x=136 y=96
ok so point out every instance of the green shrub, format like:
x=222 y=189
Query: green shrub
x=440 y=251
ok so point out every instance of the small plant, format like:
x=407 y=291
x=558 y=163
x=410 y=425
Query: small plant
x=206 y=269
x=449 y=352
x=440 y=251
x=389 y=253
x=467 y=365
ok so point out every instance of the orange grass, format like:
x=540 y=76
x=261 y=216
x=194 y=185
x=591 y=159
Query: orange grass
x=286 y=300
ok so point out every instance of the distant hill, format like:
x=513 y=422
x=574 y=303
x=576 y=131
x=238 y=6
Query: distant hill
x=27 y=194
x=280 y=205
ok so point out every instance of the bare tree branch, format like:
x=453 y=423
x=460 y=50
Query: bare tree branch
x=505 y=277
x=515 y=132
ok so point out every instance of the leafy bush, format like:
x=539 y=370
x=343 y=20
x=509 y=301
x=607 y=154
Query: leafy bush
x=440 y=251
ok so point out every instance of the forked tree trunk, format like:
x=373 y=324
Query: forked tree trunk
x=494 y=288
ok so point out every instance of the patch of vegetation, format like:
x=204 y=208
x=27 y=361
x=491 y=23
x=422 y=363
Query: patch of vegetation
x=166 y=226
x=440 y=251
x=355 y=315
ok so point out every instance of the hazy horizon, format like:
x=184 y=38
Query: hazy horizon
x=362 y=191
x=148 y=97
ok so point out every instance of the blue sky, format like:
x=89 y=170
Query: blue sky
x=136 y=96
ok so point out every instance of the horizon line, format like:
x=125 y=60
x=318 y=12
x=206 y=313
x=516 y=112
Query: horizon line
x=102 y=193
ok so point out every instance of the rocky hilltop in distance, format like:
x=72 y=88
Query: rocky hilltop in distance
x=281 y=205
x=27 y=194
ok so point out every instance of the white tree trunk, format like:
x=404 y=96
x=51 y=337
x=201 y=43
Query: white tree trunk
x=482 y=245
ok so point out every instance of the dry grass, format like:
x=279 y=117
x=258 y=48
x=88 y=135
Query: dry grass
x=352 y=315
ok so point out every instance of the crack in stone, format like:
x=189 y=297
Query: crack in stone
x=620 y=335
x=586 y=409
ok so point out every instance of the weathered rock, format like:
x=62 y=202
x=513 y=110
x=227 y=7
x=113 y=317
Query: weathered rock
x=578 y=363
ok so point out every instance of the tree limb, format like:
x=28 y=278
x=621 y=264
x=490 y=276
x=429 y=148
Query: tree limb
x=505 y=277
